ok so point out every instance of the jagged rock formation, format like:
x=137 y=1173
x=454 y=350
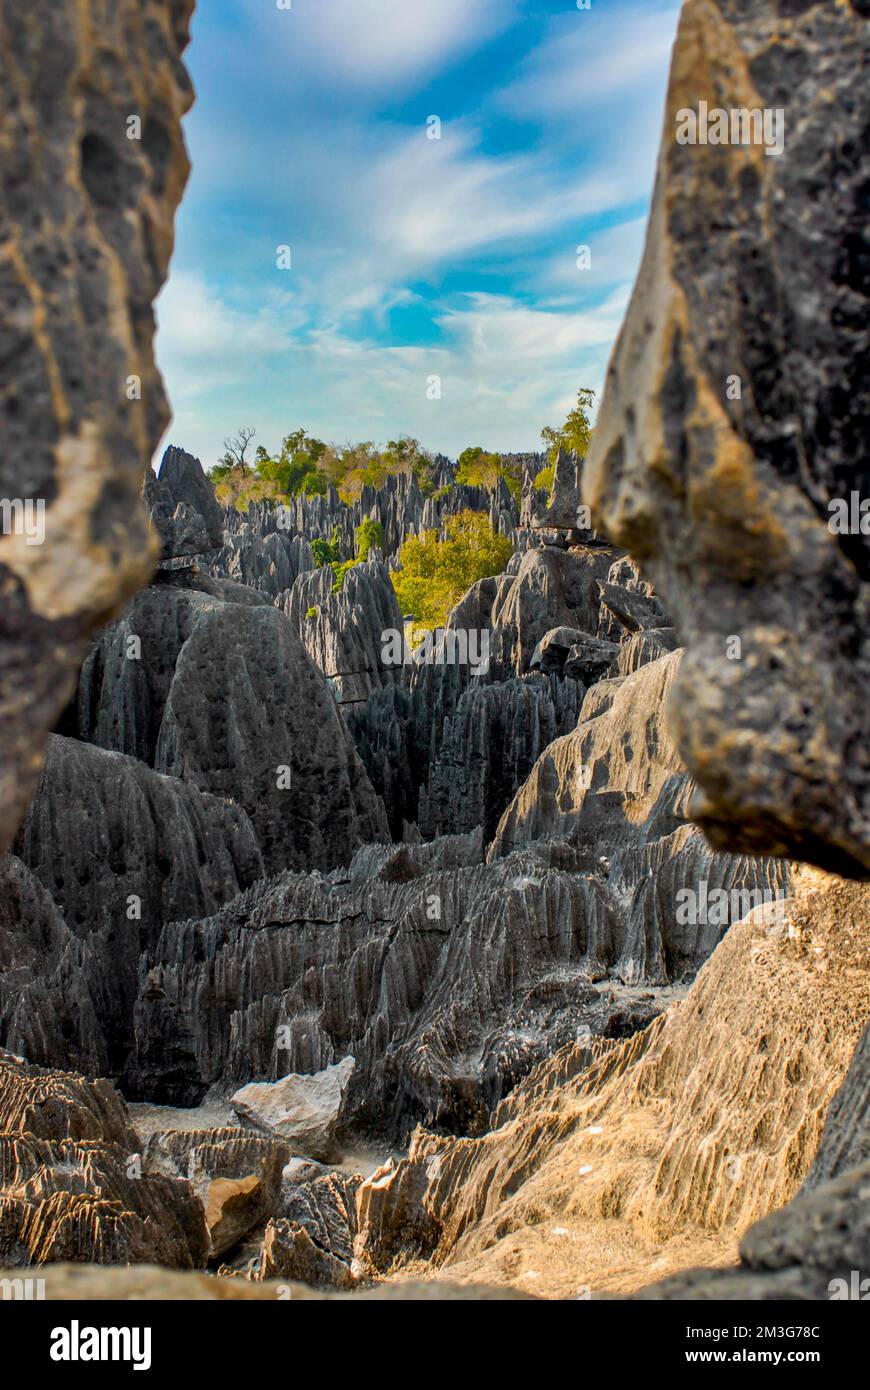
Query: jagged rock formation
x=83 y=403
x=270 y=562
x=398 y=734
x=182 y=507
x=120 y=850
x=611 y=1158
x=70 y=1187
x=413 y=739
x=313 y=1240
x=104 y=828
x=732 y=422
x=223 y=696
x=248 y=716
x=343 y=632
x=551 y=588
x=446 y=979
x=236 y=1174
x=445 y=985
x=53 y=983
x=488 y=747
x=600 y=783
x=399 y=508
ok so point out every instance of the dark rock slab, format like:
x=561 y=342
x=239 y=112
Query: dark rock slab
x=250 y=718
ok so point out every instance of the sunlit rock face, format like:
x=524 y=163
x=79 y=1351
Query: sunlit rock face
x=730 y=454
x=94 y=166
x=73 y=1184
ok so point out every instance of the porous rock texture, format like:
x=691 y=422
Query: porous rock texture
x=71 y=1186
x=86 y=234
x=734 y=415
x=612 y=1160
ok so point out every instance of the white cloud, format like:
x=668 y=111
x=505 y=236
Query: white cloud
x=604 y=57
x=497 y=333
x=506 y=369
x=374 y=212
x=382 y=44
x=200 y=331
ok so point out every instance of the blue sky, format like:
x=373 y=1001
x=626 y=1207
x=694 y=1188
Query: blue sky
x=411 y=257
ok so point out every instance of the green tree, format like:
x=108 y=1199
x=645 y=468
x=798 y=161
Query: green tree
x=575 y=434
x=477 y=468
x=295 y=467
x=435 y=574
x=546 y=478
x=327 y=552
x=369 y=536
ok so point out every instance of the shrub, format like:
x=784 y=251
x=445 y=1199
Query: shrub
x=369 y=536
x=575 y=434
x=326 y=552
x=435 y=574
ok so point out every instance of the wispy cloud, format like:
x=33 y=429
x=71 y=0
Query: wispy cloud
x=410 y=256
x=374 y=44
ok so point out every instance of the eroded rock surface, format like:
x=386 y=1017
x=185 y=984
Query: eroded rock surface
x=120 y=850
x=733 y=418
x=612 y=1157
x=71 y=1184
x=86 y=232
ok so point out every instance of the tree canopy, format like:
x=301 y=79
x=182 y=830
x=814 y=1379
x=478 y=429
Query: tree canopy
x=575 y=434
x=436 y=573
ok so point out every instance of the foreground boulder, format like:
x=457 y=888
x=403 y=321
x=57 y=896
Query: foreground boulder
x=303 y=1110
x=731 y=440
x=82 y=399
x=236 y=1174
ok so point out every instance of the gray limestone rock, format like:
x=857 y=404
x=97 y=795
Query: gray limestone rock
x=86 y=226
x=730 y=451
x=250 y=718
x=121 y=850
